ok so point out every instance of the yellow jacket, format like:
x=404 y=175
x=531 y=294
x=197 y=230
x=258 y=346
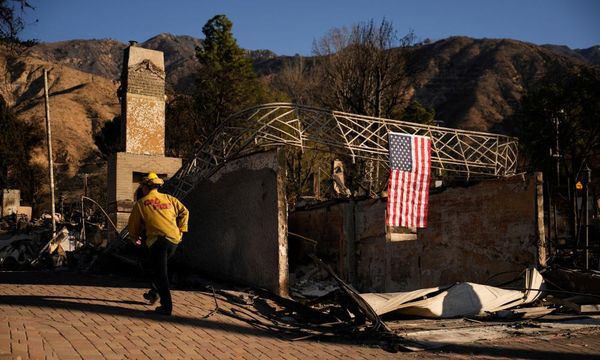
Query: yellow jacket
x=160 y=215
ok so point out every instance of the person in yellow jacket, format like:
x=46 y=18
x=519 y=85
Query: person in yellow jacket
x=164 y=219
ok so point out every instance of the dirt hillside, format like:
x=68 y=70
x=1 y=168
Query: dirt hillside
x=80 y=103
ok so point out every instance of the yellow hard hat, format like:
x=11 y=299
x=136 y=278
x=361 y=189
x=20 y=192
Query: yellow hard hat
x=152 y=179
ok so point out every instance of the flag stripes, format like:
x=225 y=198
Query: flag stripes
x=408 y=186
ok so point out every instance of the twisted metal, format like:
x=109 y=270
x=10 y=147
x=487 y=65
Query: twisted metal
x=468 y=153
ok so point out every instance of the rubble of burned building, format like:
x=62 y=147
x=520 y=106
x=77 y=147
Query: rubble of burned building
x=28 y=243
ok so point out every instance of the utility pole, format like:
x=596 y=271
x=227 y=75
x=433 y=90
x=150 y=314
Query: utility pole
x=555 y=189
x=556 y=154
x=587 y=180
x=49 y=140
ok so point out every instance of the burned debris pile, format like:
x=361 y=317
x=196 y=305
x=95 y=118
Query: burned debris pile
x=410 y=321
x=534 y=301
x=31 y=245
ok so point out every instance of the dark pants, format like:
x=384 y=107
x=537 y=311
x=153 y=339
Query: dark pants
x=160 y=252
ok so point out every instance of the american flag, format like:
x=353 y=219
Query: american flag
x=408 y=186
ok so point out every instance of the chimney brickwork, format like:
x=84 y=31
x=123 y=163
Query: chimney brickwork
x=142 y=96
x=143 y=105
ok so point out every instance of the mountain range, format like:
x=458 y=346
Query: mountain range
x=474 y=84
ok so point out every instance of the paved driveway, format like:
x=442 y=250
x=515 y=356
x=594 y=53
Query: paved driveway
x=69 y=316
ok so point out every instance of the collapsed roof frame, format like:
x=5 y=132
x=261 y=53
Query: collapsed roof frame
x=466 y=153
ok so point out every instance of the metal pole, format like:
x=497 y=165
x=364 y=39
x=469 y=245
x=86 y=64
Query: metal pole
x=588 y=179
x=49 y=140
x=557 y=154
x=83 y=234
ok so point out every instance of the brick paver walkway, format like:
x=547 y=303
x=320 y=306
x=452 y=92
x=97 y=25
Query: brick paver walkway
x=67 y=316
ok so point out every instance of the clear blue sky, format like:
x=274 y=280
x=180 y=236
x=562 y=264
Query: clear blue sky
x=290 y=26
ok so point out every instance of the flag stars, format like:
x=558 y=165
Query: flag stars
x=400 y=152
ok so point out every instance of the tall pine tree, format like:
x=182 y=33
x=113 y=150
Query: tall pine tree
x=225 y=84
x=226 y=81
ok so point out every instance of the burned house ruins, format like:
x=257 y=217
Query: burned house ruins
x=242 y=228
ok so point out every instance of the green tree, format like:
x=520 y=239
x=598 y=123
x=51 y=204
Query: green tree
x=17 y=139
x=560 y=135
x=225 y=84
x=565 y=108
x=182 y=120
x=417 y=113
x=226 y=80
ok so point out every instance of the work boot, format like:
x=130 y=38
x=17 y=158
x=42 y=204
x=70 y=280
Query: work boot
x=151 y=297
x=162 y=311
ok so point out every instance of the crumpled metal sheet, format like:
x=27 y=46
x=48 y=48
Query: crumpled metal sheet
x=461 y=299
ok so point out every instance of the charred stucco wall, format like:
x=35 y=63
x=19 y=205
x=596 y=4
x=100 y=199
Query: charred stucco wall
x=143 y=101
x=238 y=224
x=332 y=227
x=479 y=231
x=474 y=233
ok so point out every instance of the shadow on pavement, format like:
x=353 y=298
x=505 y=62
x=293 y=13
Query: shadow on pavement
x=128 y=302
x=62 y=302
x=68 y=278
x=55 y=302
x=204 y=322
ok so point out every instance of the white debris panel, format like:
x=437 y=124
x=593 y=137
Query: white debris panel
x=460 y=299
